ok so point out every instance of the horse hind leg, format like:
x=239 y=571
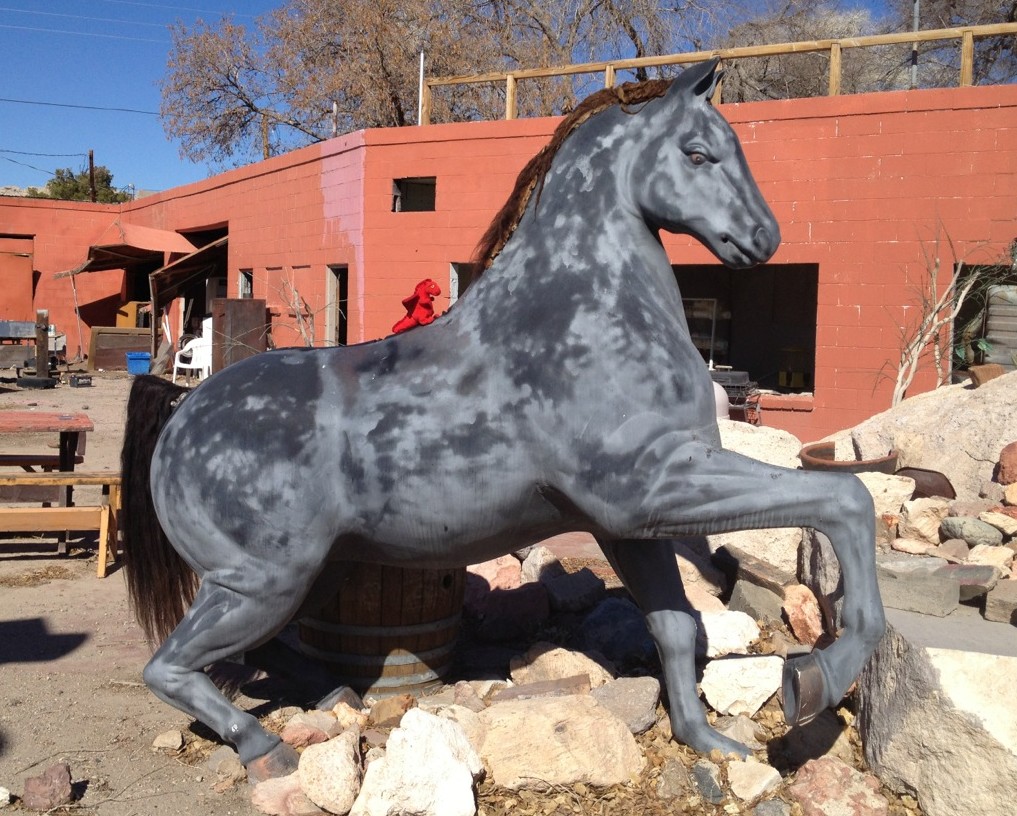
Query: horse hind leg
x=650 y=573
x=221 y=622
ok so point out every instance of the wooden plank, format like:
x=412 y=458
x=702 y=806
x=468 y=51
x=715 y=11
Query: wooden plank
x=805 y=46
x=31 y=493
x=30 y=460
x=835 y=70
x=49 y=519
x=74 y=478
x=967 y=66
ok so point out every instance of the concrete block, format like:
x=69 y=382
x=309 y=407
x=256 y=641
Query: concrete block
x=1001 y=603
x=918 y=592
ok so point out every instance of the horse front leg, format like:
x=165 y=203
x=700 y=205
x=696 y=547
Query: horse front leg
x=650 y=573
x=704 y=490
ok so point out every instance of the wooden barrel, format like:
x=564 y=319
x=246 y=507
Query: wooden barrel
x=388 y=630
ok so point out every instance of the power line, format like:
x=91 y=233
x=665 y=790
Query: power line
x=81 y=17
x=82 y=34
x=78 y=107
x=48 y=155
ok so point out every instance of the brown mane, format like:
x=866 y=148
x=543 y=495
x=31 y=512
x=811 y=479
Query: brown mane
x=532 y=175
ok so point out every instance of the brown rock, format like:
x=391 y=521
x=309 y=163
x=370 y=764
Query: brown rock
x=1010 y=494
x=389 y=711
x=1001 y=603
x=803 y=615
x=282 y=796
x=827 y=785
x=51 y=789
x=1007 y=473
x=953 y=549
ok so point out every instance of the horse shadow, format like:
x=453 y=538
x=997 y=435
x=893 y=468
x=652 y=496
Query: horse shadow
x=30 y=641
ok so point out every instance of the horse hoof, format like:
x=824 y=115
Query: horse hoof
x=280 y=761
x=804 y=690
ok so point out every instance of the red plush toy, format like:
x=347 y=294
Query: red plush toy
x=419 y=306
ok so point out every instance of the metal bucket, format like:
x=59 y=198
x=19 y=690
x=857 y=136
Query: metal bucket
x=388 y=630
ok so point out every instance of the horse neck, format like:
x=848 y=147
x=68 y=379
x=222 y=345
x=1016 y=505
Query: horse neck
x=582 y=229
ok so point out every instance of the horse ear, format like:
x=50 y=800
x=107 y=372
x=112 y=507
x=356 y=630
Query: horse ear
x=700 y=79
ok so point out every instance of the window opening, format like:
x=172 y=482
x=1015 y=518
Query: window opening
x=460 y=276
x=760 y=321
x=415 y=194
x=245 y=284
x=338 y=304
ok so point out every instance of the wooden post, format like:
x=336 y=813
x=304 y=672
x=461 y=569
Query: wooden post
x=967 y=70
x=425 y=104
x=510 y=97
x=609 y=76
x=42 y=343
x=835 y=69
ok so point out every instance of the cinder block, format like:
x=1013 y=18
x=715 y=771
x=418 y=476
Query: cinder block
x=1001 y=603
x=918 y=592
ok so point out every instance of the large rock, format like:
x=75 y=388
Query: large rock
x=921 y=519
x=429 y=769
x=50 y=789
x=329 y=772
x=545 y=661
x=741 y=685
x=829 y=786
x=557 y=741
x=931 y=716
x=956 y=430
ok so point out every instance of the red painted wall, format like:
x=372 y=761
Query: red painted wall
x=861 y=186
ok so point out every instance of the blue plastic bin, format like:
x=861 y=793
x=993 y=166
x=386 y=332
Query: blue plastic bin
x=138 y=362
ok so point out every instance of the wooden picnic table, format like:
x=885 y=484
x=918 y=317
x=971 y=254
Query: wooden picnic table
x=69 y=426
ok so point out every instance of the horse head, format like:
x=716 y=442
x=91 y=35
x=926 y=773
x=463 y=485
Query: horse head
x=701 y=185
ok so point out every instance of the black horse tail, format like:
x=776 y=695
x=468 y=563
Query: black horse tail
x=160 y=584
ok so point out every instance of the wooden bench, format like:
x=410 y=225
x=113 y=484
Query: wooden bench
x=52 y=487
x=31 y=461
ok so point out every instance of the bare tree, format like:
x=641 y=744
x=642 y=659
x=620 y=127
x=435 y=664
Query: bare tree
x=938 y=63
x=929 y=325
x=315 y=68
x=788 y=76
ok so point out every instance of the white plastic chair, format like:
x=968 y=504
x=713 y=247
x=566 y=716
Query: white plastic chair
x=196 y=355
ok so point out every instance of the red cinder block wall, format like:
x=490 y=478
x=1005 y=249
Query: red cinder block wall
x=861 y=185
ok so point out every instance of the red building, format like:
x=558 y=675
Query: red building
x=333 y=236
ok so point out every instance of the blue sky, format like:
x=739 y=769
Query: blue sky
x=67 y=66
x=100 y=54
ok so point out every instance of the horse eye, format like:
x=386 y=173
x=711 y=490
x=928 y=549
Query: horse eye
x=697 y=158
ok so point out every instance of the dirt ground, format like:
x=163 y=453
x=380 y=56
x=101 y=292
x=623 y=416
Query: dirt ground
x=71 y=655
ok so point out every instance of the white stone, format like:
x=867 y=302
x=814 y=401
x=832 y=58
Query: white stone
x=1001 y=557
x=911 y=546
x=888 y=492
x=468 y=720
x=540 y=563
x=1001 y=521
x=930 y=716
x=171 y=740
x=329 y=772
x=545 y=661
x=740 y=685
x=777 y=546
x=429 y=769
x=724 y=633
x=920 y=519
x=749 y=779
x=544 y=741
x=5 y=797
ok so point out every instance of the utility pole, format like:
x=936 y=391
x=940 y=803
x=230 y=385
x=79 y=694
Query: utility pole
x=93 y=194
x=914 y=45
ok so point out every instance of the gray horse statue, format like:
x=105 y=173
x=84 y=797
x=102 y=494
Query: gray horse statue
x=583 y=407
